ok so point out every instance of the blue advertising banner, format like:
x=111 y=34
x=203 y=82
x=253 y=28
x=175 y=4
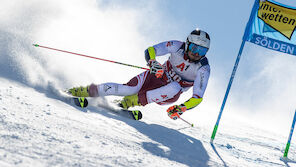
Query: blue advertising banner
x=272 y=25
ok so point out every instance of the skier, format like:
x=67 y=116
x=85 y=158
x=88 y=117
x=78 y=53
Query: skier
x=187 y=66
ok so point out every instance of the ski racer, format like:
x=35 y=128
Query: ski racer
x=187 y=66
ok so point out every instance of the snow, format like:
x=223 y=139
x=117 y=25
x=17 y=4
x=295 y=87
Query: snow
x=38 y=129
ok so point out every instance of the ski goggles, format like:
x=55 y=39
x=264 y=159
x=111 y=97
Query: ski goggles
x=198 y=49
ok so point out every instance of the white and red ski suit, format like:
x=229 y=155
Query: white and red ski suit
x=180 y=74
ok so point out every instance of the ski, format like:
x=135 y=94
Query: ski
x=133 y=114
x=83 y=103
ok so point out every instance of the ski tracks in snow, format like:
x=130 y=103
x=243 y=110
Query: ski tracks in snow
x=36 y=130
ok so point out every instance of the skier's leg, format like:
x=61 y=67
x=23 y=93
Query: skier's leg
x=149 y=82
x=130 y=88
x=116 y=89
x=106 y=89
x=163 y=95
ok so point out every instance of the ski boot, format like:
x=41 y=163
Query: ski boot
x=79 y=91
x=88 y=91
x=130 y=101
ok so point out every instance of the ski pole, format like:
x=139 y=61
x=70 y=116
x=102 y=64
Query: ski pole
x=227 y=90
x=290 y=136
x=37 y=45
x=186 y=122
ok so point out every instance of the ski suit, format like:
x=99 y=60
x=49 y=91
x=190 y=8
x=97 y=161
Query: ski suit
x=179 y=76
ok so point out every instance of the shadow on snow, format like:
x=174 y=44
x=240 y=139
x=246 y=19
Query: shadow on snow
x=167 y=143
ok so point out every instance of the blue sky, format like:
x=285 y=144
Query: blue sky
x=265 y=79
x=224 y=20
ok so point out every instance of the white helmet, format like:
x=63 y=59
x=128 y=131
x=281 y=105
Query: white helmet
x=198 y=37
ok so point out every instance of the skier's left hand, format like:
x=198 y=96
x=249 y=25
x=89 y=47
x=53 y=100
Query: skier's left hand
x=175 y=111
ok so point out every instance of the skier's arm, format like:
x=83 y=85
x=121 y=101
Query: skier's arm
x=199 y=87
x=161 y=49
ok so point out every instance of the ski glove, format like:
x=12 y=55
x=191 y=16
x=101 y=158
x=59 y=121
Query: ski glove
x=175 y=111
x=155 y=68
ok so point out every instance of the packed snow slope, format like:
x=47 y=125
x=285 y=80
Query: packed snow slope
x=38 y=129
